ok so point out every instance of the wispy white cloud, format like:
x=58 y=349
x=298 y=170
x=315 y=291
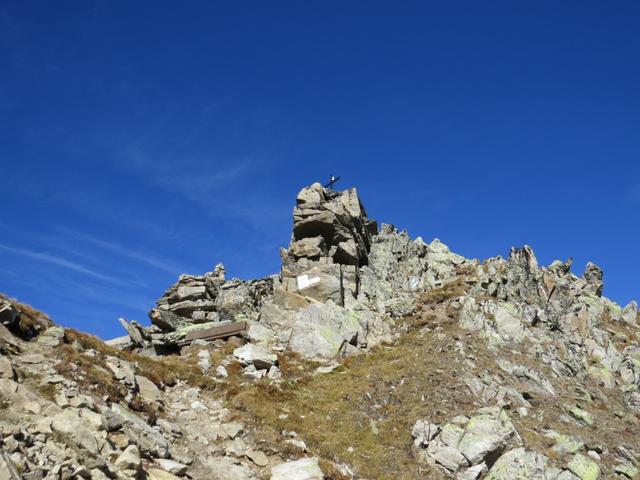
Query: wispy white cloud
x=200 y=186
x=217 y=188
x=191 y=180
x=123 y=251
x=133 y=300
x=62 y=262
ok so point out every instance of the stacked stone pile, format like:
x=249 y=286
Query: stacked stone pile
x=209 y=298
x=195 y=303
x=331 y=239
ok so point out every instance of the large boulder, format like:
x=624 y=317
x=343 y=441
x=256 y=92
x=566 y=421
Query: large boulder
x=584 y=468
x=80 y=434
x=311 y=247
x=521 y=464
x=321 y=282
x=148 y=390
x=148 y=439
x=167 y=321
x=466 y=442
x=251 y=354
x=500 y=322
x=322 y=332
x=6 y=368
x=129 y=461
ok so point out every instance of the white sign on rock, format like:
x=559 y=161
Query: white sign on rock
x=305 y=281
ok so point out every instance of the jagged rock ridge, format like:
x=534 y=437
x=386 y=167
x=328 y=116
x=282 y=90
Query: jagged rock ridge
x=340 y=277
x=544 y=370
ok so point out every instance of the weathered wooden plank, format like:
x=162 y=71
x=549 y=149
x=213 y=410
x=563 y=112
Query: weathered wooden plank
x=213 y=333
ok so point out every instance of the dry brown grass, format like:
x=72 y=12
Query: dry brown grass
x=90 y=373
x=453 y=289
x=624 y=333
x=391 y=387
x=87 y=342
x=549 y=413
x=93 y=376
x=420 y=376
x=431 y=308
x=30 y=322
x=150 y=412
x=163 y=371
x=48 y=391
x=331 y=472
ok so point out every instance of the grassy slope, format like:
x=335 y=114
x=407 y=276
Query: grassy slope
x=362 y=414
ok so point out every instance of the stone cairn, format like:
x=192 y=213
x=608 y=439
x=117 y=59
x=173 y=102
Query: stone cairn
x=331 y=240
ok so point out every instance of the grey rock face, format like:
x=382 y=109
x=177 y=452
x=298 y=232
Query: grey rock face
x=6 y=368
x=324 y=331
x=129 y=461
x=331 y=240
x=630 y=313
x=251 y=354
x=51 y=337
x=208 y=297
x=534 y=380
x=8 y=470
x=423 y=432
x=135 y=334
x=467 y=442
x=311 y=247
x=332 y=225
x=525 y=340
x=80 y=434
x=166 y=320
x=148 y=440
x=8 y=343
x=593 y=276
x=148 y=390
x=399 y=267
x=336 y=256
x=501 y=322
x=521 y=464
x=225 y=468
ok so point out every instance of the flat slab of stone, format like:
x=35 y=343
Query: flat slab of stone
x=303 y=469
x=251 y=354
x=148 y=390
x=213 y=333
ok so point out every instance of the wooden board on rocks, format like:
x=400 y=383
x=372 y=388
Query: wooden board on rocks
x=213 y=333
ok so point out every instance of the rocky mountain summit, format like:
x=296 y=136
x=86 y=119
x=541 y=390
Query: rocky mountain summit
x=370 y=355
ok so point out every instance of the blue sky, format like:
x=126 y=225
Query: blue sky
x=140 y=140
